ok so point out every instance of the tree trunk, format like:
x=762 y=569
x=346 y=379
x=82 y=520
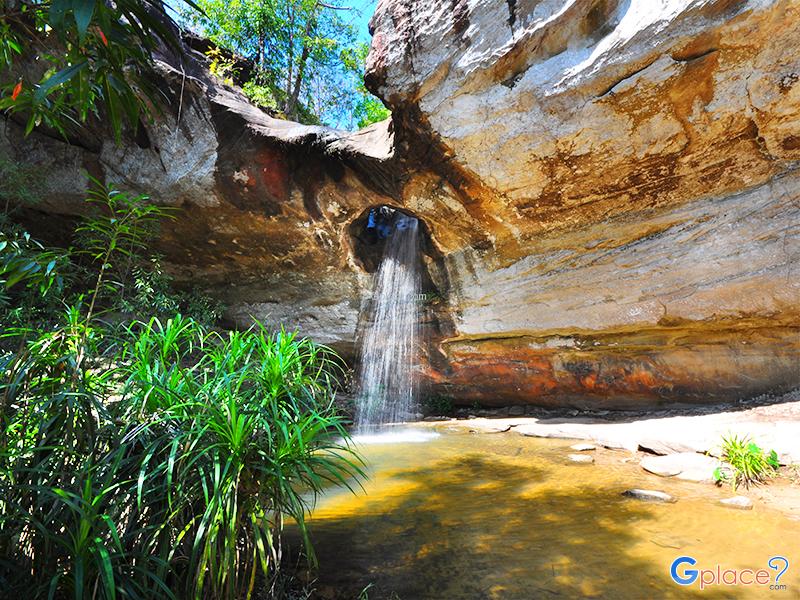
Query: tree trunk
x=290 y=66
x=294 y=96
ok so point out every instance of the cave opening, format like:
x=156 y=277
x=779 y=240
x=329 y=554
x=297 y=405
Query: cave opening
x=369 y=234
x=370 y=230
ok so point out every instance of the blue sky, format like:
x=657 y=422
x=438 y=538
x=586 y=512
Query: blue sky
x=365 y=8
x=361 y=14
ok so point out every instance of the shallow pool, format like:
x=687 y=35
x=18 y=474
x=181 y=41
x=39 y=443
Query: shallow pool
x=505 y=516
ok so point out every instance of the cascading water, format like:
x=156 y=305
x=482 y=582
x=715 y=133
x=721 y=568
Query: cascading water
x=387 y=382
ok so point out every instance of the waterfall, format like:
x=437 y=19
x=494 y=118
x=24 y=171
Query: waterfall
x=386 y=387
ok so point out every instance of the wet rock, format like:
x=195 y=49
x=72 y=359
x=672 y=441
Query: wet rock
x=649 y=495
x=664 y=446
x=488 y=426
x=516 y=411
x=738 y=502
x=689 y=466
x=583 y=447
x=581 y=458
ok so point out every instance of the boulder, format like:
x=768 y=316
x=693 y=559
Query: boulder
x=650 y=495
x=580 y=458
x=738 y=502
x=690 y=466
x=583 y=447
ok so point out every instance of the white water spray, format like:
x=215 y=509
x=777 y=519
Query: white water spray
x=387 y=382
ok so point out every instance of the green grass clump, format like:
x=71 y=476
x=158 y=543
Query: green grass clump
x=171 y=474
x=748 y=464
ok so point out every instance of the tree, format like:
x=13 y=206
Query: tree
x=367 y=109
x=308 y=64
x=63 y=60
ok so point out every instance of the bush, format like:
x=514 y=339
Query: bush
x=749 y=464
x=152 y=293
x=438 y=406
x=160 y=459
x=169 y=475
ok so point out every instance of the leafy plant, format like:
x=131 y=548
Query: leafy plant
x=24 y=261
x=160 y=461
x=438 y=405
x=152 y=292
x=748 y=463
x=260 y=94
x=248 y=430
x=87 y=55
x=181 y=485
x=120 y=228
x=222 y=66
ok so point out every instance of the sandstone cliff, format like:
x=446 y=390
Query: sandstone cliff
x=609 y=190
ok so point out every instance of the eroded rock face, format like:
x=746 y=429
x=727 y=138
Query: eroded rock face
x=262 y=204
x=609 y=189
x=634 y=169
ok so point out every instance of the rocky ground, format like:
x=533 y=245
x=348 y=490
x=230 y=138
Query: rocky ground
x=675 y=443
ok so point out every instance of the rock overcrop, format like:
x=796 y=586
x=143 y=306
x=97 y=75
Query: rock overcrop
x=609 y=193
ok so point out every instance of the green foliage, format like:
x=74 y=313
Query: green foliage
x=63 y=60
x=152 y=292
x=159 y=460
x=367 y=109
x=222 y=67
x=106 y=267
x=438 y=405
x=370 y=110
x=25 y=262
x=179 y=487
x=749 y=463
x=32 y=277
x=308 y=64
x=119 y=229
x=262 y=95
x=254 y=414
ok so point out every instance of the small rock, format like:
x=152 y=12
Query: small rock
x=649 y=495
x=580 y=458
x=583 y=447
x=740 y=502
x=516 y=411
x=689 y=466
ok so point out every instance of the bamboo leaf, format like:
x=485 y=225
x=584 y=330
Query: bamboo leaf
x=59 y=78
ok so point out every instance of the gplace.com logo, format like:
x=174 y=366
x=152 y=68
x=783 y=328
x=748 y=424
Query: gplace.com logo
x=717 y=576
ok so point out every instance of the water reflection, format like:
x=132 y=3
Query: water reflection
x=481 y=516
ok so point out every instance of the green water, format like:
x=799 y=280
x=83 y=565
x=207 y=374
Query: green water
x=505 y=516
